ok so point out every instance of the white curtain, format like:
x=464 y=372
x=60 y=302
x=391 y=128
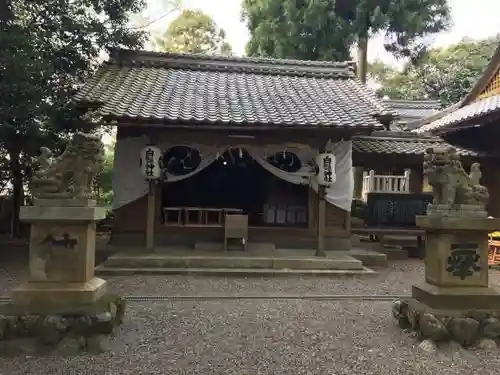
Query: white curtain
x=208 y=155
x=304 y=153
x=128 y=181
x=340 y=193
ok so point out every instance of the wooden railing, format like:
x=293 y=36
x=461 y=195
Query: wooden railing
x=373 y=183
x=197 y=216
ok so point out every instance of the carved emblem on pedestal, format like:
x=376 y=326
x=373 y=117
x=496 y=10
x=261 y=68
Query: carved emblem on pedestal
x=66 y=241
x=55 y=256
x=464 y=260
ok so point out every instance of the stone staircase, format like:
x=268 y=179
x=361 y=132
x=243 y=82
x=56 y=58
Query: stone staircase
x=258 y=261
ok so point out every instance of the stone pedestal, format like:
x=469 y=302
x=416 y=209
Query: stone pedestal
x=456 y=262
x=62 y=255
x=62 y=308
x=455 y=301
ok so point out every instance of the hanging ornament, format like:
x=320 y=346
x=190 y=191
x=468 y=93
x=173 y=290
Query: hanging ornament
x=231 y=156
x=325 y=169
x=188 y=162
x=151 y=162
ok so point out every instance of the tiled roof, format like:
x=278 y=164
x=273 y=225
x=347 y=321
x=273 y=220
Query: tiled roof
x=417 y=125
x=467 y=113
x=410 y=111
x=175 y=89
x=402 y=143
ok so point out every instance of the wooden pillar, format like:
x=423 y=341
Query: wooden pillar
x=311 y=209
x=320 y=245
x=321 y=220
x=407 y=176
x=151 y=216
x=358 y=181
x=416 y=183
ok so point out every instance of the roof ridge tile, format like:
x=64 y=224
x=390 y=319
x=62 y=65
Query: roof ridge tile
x=319 y=69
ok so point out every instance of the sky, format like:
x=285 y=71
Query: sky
x=476 y=19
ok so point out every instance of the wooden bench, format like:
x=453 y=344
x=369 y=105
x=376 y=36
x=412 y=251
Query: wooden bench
x=236 y=226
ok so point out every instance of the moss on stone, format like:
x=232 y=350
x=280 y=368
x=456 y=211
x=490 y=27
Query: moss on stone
x=64 y=329
x=464 y=327
x=121 y=305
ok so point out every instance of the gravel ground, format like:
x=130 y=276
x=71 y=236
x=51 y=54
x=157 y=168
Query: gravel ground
x=260 y=337
x=12 y=270
x=397 y=279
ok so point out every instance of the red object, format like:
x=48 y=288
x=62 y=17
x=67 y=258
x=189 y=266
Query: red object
x=493 y=252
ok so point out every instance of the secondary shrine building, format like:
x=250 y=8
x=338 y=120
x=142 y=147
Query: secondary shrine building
x=237 y=135
x=474 y=124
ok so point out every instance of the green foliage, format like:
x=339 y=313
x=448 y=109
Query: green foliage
x=305 y=30
x=326 y=29
x=48 y=48
x=104 y=182
x=194 y=32
x=445 y=74
x=52 y=47
x=404 y=22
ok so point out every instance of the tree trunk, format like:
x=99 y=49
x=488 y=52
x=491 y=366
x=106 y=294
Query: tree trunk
x=363 y=58
x=17 y=194
x=5 y=12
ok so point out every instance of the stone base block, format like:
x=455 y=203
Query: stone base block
x=75 y=202
x=38 y=296
x=85 y=328
x=456 y=298
x=467 y=327
x=64 y=214
x=457 y=222
x=457 y=211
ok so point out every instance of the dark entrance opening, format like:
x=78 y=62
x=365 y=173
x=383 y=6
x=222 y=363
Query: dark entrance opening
x=235 y=182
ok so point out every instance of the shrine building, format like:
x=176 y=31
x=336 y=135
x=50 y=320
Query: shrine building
x=474 y=124
x=236 y=135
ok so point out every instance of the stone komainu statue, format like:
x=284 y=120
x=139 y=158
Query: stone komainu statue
x=451 y=185
x=69 y=175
